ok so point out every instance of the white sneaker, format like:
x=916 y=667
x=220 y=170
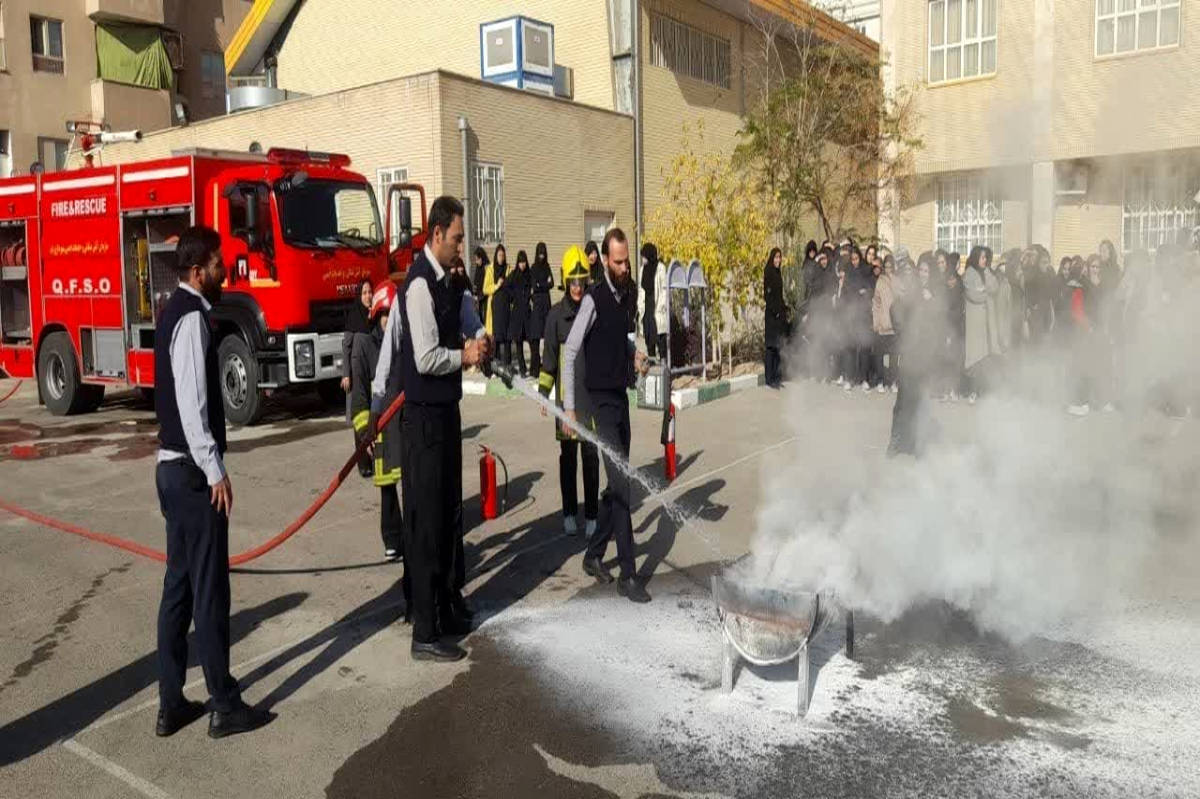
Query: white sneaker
x=847 y=387
x=570 y=526
x=865 y=386
x=895 y=388
x=841 y=381
x=1079 y=410
x=971 y=399
x=954 y=396
x=1108 y=407
x=881 y=389
x=590 y=529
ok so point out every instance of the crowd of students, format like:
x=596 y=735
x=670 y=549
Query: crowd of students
x=844 y=312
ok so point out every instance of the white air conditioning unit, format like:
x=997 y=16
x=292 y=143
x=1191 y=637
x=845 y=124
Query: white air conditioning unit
x=519 y=52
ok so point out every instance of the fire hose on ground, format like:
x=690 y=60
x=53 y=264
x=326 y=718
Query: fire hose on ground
x=234 y=560
x=12 y=391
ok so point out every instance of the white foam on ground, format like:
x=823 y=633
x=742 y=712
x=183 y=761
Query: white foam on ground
x=654 y=671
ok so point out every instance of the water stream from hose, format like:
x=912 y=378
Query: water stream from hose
x=654 y=492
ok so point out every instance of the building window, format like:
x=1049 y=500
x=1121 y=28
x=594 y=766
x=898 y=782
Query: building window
x=968 y=214
x=47 y=38
x=488 y=218
x=385 y=178
x=962 y=39
x=5 y=154
x=3 y=48
x=52 y=153
x=687 y=51
x=1126 y=26
x=212 y=74
x=1159 y=203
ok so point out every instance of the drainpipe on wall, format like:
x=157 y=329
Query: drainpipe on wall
x=463 y=128
x=637 y=136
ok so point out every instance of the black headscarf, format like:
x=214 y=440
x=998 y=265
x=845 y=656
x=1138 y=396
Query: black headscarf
x=649 y=267
x=500 y=269
x=597 y=270
x=357 y=320
x=540 y=255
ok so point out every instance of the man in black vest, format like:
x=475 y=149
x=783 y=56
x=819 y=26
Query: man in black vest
x=196 y=497
x=602 y=332
x=436 y=315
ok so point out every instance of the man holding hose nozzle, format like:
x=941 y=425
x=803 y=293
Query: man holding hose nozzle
x=435 y=313
x=196 y=498
x=601 y=333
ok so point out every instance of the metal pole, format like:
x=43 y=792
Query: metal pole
x=463 y=129
x=703 y=336
x=637 y=125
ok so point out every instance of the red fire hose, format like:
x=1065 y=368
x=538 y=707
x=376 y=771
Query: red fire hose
x=12 y=391
x=234 y=560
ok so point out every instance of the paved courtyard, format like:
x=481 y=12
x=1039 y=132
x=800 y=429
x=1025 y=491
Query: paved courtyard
x=569 y=690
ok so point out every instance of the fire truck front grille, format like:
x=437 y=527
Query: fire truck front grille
x=329 y=316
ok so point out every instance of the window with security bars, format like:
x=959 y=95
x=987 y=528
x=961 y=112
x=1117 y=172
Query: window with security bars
x=968 y=214
x=687 y=51
x=488 y=218
x=1127 y=26
x=962 y=39
x=384 y=179
x=1159 y=203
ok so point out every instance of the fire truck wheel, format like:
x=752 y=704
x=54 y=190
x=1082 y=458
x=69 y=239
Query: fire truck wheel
x=239 y=382
x=58 y=372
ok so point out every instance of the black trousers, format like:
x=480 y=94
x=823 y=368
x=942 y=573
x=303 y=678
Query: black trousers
x=518 y=346
x=535 y=357
x=650 y=331
x=908 y=416
x=611 y=412
x=771 y=365
x=884 y=373
x=431 y=477
x=567 y=470
x=391 y=518
x=195 y=587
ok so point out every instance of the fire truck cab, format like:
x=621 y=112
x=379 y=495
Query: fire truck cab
x=87 y=262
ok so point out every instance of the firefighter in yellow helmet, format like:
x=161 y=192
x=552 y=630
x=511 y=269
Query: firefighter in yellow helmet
x=363 y=360
x=558 y=324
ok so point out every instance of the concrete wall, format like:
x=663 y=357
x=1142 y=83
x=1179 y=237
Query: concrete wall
x=560 y=159
x=34 y=104
x=337 y=44
x=206 y=25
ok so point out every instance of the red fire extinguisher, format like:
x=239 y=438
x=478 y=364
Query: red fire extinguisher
x=489 y=500
x=668 y=441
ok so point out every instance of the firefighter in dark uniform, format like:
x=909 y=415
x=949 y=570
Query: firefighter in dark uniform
x=558 y=326
x=601 y=332
x=436 y=316
x=364 y=359
x=196 y=498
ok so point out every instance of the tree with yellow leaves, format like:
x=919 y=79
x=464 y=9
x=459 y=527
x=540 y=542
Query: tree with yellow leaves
x=712 y=213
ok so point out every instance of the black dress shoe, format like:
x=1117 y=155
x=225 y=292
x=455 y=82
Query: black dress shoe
x=594 y=568
x=632 y=590
x=438 y=651
x=241 y=719
x=171 y=721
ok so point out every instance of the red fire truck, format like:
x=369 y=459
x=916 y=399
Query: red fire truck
x=87 y=259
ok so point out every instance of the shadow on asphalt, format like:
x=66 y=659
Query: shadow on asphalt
x=67 y=716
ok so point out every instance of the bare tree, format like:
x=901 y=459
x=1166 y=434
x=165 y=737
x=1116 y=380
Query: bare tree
x=823 y=136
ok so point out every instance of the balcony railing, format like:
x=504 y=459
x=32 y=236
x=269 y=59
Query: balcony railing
x=46 y=63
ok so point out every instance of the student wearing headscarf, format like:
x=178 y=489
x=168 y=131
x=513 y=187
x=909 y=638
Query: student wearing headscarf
x=520 y=294
x=649 y=273
x=595 y=263
x=479 y=264
x=496 y=291
x=356 y=322
x=775 y=318
x=541 y=279
x=982 y=322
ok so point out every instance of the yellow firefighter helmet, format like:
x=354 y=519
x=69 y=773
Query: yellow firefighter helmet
x=575 y=264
